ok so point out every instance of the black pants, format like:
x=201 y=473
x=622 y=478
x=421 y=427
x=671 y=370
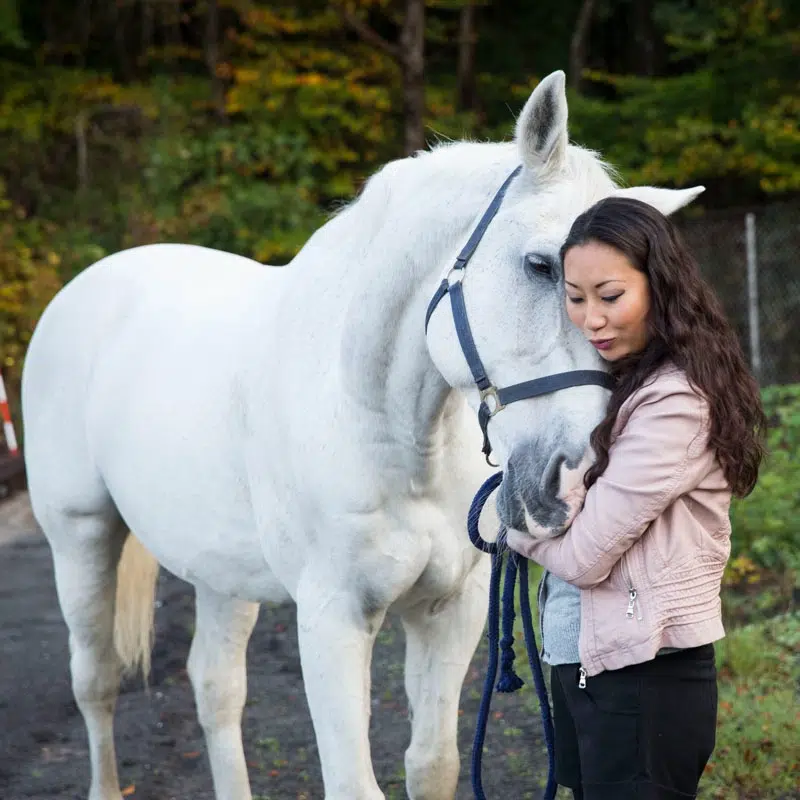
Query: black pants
x=644 y=732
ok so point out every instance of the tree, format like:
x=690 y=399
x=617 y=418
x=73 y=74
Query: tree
x=10 y=30
x=409 y=54
x=644 y=37
x=727 y=114
x=579 y=44
x=467 y=41
x=211 y=48
x=412 y=59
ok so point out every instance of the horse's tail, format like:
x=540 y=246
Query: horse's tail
x=137 y=573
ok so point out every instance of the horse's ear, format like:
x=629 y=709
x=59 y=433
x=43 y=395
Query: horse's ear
x=541 y=133
x=666 y=201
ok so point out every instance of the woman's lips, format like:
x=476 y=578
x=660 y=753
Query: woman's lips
x=602 y=344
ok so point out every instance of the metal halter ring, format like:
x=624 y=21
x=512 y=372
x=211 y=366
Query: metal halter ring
x=490 y=397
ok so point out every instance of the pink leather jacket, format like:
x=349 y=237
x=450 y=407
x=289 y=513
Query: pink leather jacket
x=650 y=544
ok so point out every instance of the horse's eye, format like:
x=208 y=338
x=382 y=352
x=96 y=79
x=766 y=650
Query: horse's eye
x=538 y=265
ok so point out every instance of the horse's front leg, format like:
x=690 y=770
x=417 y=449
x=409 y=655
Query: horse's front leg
x=440 y=643
x=337 y=630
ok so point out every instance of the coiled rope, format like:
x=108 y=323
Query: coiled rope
x=501 y=650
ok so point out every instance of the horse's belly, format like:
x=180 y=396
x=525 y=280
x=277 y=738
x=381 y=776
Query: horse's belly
x=177 y=475
x=199 y=533
x=231 y=563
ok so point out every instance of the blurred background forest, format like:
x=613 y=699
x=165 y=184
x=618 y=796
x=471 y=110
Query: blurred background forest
x=241 y=125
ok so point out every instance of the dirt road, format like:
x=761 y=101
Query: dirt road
x=43 y=751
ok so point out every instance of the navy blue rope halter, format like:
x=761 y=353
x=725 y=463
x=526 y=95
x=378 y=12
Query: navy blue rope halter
x=493 y=400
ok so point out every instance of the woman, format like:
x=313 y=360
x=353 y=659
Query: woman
x=630 y=601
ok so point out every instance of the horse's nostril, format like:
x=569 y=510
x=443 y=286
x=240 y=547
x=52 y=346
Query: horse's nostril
x=550 y=486
x=531 y=488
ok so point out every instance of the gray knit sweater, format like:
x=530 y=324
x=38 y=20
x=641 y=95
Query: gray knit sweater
x=560 y=620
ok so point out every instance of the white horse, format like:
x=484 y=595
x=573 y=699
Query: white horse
x=293 y=433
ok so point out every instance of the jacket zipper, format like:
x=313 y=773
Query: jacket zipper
x=632 y=595
x=581 y=677
x=540 y=606
x=631 y=603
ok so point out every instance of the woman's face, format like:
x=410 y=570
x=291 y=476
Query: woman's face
x=607 y=298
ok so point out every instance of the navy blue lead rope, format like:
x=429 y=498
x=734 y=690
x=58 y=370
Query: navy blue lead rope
x=509 y=681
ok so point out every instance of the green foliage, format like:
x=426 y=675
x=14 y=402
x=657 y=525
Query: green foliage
x=10 y=31
x=729 y=111
x=28 y=280
x=329 y=96
x=214 y=191
x=766 y=525
x=756 y=757
x=118 y=126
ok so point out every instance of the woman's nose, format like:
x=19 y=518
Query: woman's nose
x=595 y=319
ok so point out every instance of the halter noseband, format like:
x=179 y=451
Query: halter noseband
x=492 y=398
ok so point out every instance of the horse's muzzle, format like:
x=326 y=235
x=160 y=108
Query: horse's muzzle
x=542 y=489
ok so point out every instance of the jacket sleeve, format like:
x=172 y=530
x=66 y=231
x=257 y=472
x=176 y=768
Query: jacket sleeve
x=660 y=454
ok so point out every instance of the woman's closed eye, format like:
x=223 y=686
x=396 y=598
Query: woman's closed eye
x=610 y=299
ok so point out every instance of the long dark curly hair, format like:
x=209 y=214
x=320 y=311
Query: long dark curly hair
x=688 y=327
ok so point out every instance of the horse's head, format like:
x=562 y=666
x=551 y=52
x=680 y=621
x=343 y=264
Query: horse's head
x=514 y=299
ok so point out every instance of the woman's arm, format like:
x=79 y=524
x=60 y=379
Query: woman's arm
x=660 y=454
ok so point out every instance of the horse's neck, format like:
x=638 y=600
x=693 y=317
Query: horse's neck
x=386 y=366
x=388 y=372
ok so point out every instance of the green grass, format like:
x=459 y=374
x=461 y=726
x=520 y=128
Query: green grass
x=758 y=744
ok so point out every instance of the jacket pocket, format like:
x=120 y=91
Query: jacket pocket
x=677 y=533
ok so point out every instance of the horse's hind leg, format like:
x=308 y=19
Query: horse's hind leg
x=440 y=643
x=86 y=549
x=218 y=671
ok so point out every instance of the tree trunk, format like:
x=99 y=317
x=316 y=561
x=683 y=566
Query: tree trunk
x=412 y=59
x=148 y=27
x=82 y=152
x=467 y=40
x=212 y=57
x=119 y=18
x=409 y=53
x=85 y=30
x=579 y=46
x=51 y=29
x=644 y=36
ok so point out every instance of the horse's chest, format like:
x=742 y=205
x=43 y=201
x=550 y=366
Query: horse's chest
x=450 y=560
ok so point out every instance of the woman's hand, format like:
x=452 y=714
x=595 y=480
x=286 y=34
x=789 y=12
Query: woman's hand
x=574 y=500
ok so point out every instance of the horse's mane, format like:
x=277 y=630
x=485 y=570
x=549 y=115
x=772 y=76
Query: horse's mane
x=456 y=166
x=440 y=189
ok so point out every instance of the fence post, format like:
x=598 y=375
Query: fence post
x=8 y=426
x=752 y=294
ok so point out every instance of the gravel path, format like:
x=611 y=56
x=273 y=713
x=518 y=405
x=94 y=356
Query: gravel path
x=43 y=751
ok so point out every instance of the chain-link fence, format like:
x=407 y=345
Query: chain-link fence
x=752 y=261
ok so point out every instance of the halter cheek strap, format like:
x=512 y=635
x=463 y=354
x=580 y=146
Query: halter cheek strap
x=492 y=398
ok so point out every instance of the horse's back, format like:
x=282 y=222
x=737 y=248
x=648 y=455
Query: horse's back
x=129 y=385
x=127 y=287
x=161 y=289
